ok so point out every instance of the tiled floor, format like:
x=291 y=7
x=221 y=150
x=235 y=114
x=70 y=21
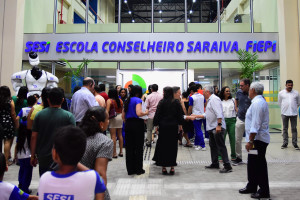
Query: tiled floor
x=192 y=181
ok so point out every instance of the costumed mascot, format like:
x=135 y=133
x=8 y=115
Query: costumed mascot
x=35 y=79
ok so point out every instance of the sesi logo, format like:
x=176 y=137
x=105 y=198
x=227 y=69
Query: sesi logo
x=55 y=196
x=36 y=46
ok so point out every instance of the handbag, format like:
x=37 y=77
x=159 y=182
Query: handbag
x=112 y=111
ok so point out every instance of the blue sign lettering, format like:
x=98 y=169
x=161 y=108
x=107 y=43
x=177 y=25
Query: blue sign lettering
x=36 y=46
x=55 y=196
x=151 y=46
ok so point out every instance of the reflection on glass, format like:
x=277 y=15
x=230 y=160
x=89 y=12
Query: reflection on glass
x=169 y=65
x=67 y=82
x=135 y=65
x=265 y=20
x=136 y=16
x=169 y=16
x=202 y=16
x=71 y=16
x=231 y=72
x=235 y=16
x=38 y=16
x=105 y=16
x=103 y=73
x=205 y=73
x=46 y=66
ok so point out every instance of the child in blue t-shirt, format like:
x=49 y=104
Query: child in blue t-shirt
x=68 y=183
x=10 y=191
x=23 y=147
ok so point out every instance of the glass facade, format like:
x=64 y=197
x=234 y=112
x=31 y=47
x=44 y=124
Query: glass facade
x=135 y=16
x=202 y=16
x=169 y=16
x=236 y=16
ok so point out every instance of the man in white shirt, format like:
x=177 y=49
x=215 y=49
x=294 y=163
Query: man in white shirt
x=289 y=101
x=215 y=125
x=258 y=139
x=83 y=99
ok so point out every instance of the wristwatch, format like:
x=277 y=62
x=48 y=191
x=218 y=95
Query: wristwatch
x=219 y=124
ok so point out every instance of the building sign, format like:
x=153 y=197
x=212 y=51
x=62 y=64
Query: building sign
x=151 y=47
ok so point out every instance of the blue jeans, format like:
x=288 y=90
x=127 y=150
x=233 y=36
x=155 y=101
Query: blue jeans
x=25 y=174
x=199 y=140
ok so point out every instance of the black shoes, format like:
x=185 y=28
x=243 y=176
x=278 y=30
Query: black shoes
x=237 y=162
x=164 y=171
x=172 y=171
x=259 y=196
x=226 y=170
x=284 y=146
x=212 y=166
x=246 y=191
x=140 y=172
x=148 y=144
x=296 y=147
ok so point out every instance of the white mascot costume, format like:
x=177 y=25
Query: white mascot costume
x=35 y=78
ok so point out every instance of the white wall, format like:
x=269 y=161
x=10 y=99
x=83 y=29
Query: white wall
x=161 y=78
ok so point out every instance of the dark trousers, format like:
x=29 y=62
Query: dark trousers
x=134 y=136
x=285 y=123
x=25 y=174
x=206 y=132
x=257 y=169
x=44 y=164
x=217 y=144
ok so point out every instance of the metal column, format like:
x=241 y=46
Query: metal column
x=152 y=16
x=220 y=76
x=54 y=16
x=185 y=16
x=53 y=68
x=251 y=16
x=87 y=8
x=219 y=16
x=119 y=17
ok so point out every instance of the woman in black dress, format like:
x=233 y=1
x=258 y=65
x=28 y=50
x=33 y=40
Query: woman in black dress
x=8 y=121
x=168 y=117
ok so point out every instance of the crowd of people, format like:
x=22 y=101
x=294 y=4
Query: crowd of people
x=62 y=136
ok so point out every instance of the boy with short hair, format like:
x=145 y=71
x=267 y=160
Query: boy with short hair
x=68 y=183
x=10 y=191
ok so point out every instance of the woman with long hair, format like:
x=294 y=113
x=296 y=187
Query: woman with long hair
x=187 y=125
x=21 y=99
x=230 y=118
x=168 y=117
x=134 y=131
x=99 y=148
x=8 y=121
x=123 y=94
x=114 y=104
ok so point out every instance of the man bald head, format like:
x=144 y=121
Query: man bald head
x=89 y=83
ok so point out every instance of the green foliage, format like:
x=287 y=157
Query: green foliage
x=249 y=63
x=75 y=71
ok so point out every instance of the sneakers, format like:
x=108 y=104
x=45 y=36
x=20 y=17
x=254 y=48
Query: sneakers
x=237 y=162
x=296 y=147
x=226 y=170
x=200 y=148
x=284 y=146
